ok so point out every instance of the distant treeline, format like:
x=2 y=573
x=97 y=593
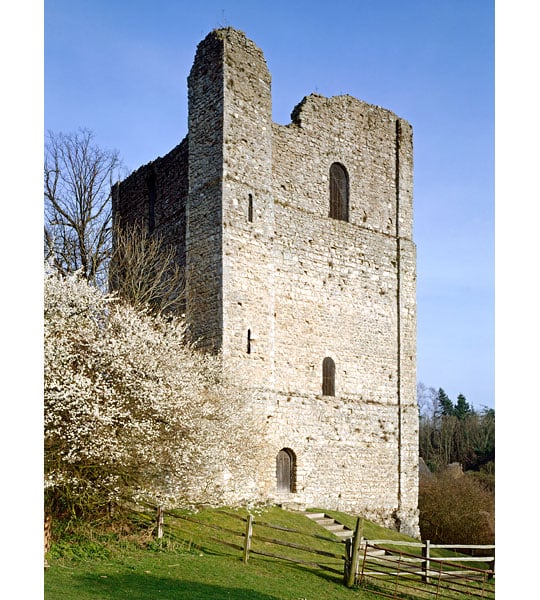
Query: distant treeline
x=455 y=432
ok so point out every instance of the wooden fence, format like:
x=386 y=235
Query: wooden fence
x=378 y=564
x=389 y=572
x=427 y=559
x=252 y=540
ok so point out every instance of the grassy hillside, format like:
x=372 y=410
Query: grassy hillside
x=114 y=561
x=123 y=560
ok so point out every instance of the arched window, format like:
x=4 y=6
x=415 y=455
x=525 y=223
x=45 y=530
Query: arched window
x=339 y=192
x=286 y=470
x=328 y=377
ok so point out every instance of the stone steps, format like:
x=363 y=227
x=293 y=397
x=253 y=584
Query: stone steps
x=336 y=528
x=330 y=524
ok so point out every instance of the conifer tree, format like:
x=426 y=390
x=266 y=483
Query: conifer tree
x=446 y=407
x=462 y=408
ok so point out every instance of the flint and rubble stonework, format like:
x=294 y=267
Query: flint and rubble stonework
x=277 y=285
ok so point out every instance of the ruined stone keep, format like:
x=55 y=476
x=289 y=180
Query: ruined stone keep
x=300 y=268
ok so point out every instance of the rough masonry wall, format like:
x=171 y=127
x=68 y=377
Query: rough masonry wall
x=337 y=282
x=248 y=212
x=407 y=516
x=346 y=454
x=337 y=294
x=167 y=176
x=204 y=268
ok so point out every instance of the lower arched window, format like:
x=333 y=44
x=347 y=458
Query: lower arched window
x=286 y=470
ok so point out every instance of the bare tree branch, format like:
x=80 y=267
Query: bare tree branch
x=78 y=176
x=145 y=271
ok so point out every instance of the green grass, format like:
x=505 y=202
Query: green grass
x=104 y=563
x=145 y=577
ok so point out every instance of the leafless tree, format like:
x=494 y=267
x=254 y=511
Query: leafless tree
x=427 y=400
x=77 y=188
x=145 y=271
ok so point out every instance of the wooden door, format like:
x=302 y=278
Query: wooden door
x=285 y=471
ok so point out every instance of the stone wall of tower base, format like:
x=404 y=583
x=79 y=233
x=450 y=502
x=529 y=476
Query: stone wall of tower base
x=347 y=457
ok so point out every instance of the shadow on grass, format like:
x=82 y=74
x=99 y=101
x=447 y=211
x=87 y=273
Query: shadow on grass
x=257 y=559
x=138 y=586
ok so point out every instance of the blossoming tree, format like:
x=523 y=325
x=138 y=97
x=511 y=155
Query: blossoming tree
x=132 y=411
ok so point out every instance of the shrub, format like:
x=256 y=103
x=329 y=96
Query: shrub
x=456 y=509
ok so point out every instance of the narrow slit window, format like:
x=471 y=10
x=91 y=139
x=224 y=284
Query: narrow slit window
x=328 y=377
x=339 y=192
x=249 y=341
x=250 y=208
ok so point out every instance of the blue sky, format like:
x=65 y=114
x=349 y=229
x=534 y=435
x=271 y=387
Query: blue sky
x=120 y=67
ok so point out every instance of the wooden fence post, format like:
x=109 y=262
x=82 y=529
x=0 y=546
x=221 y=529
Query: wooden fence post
x=159 y=521
x=348 y=560
x=492 y=574
x=351 y=578
x=247 y=541
x=425 y=555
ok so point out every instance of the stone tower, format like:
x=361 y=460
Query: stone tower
x=300 y=268
x=230 y=211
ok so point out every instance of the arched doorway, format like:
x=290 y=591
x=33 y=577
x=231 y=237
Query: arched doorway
x=286 y=470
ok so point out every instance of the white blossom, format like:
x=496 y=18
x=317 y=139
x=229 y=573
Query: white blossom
x=132 y=411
